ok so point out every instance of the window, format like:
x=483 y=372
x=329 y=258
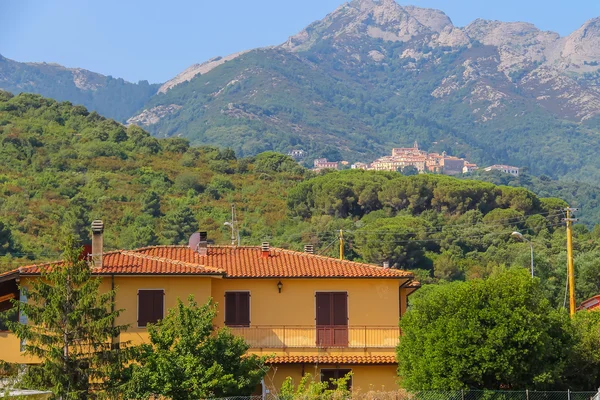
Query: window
x=237 y=308
x=328 y=374
x=332 y=319
x=150 y=306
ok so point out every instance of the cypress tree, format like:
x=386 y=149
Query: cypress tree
x=70 y=326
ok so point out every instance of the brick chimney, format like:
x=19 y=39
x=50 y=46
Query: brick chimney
x=97 y=242
x=309 y=248
x=203 y=244
x=264 y=250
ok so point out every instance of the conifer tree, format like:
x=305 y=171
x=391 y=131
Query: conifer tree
x=70 y=326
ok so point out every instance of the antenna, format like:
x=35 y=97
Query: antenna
x=234 y=227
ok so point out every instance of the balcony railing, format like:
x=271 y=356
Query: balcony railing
x=281 y=337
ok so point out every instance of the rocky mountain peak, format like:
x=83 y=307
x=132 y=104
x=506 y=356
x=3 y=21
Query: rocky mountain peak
x=582 y=47
x=435 y=20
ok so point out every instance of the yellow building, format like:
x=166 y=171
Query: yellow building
x=314 y=314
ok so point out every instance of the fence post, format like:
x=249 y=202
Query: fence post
x=527 y=394
x=568 y=394
x=462 y=394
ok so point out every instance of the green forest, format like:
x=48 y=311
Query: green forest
x=65 y=166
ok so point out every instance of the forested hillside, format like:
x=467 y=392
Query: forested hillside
x=373 y=75
x=111 y=97
x=65 y=166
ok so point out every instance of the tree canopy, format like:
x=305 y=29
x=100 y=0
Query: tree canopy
x=187 y=358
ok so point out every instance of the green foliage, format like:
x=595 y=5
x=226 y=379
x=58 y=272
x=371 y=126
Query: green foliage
x=187 y=358
x=64 y=166
x=310 y=389
x=487 y=334
x=71 y=329
x=180 y=223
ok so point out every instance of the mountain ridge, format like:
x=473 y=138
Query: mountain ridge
x=372 y=75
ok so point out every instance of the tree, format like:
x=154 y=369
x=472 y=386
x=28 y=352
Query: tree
x=7 y=241
x=484 y=334
x=71 y=326
x=409 y=170
x=583 y=371
x=187 y=358
x=309 y=389
x=180 y=223
x=151 y=203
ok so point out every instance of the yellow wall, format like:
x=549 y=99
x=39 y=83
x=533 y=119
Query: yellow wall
x=174 y=286
x=365 y=378
x=371 y=302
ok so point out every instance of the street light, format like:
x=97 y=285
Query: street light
x=519 y=236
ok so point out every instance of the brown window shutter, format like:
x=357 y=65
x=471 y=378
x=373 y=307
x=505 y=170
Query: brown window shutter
x=150 y=306
x=323 y=308
x=243 y=309
x=340 y=309
x=230 y=317
x=158 y=306
x=144 y=307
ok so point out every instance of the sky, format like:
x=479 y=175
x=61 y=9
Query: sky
x=155 y=40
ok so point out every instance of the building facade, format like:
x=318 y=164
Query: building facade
x=311 y=314
x=507 y=169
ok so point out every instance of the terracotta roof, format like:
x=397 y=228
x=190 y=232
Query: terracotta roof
x=332 y=359
x=132 y=263
x=246 y=262
x=230 y=262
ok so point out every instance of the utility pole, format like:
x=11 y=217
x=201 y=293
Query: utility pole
x=570 y=266
x=341 y=244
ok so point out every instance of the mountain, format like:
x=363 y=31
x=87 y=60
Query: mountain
x=370 y=76
x=374 y=75
x=113 y=97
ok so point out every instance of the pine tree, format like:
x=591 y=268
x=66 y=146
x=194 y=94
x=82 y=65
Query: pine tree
x=151 y=204
x=179 y=224
x=71 y=327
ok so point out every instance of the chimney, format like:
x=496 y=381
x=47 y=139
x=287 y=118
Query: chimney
x=203 y=244
x=309 y=248
x=264 y=250
x=386 y=264
x=97 y=242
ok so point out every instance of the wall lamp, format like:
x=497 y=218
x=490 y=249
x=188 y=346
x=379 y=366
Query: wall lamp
x=279 y=286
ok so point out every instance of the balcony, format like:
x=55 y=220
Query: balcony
x=297 y=336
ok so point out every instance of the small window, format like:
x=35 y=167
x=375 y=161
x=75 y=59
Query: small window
x=150 y=306
x=237 y=308
x=328 y=374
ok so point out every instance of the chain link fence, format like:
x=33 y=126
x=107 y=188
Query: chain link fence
x=449 y=395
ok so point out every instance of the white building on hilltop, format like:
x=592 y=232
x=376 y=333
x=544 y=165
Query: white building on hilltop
x=507 y=169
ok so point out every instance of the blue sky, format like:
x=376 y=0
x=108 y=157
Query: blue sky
x=155 y=40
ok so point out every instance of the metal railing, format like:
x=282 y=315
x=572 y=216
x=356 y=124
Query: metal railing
x=305 y=336
x=445 y=395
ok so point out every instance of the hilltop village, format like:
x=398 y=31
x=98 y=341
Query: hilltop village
x=407 y=157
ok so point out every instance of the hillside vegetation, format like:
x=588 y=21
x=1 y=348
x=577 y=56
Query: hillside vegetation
x=113 y=97
x=65 y=166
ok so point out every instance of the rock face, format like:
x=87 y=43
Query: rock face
x=196 y=69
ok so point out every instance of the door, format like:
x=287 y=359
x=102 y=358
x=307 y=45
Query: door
x=332 y=319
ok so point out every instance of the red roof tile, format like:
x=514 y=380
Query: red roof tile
x=246 y=262
x=332 y=359
x=132 y=263
x=231 y=262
